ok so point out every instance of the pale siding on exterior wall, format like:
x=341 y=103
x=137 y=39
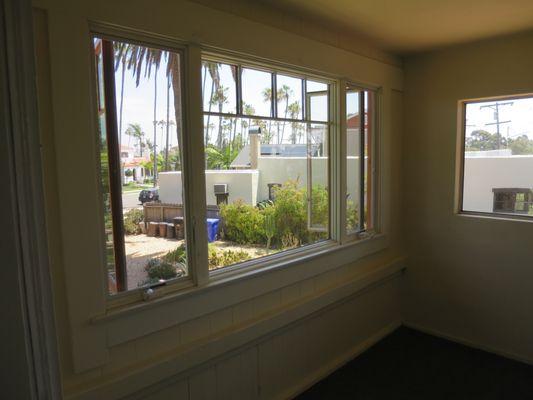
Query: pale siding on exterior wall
x=482 y=174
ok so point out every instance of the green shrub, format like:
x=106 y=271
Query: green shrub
x=282 y=222
x=290 y=214
x=243 y=223
x=178 y=255
x=222 y=258
x=131 y=221
x=352 y=216
x=160 y=270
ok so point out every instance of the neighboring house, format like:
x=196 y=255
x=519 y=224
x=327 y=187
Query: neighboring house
x=132 y=166
x=497 y=181
x=256 y=169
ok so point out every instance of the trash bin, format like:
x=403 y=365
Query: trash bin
x=153 y=229
x=178 y=226
x=170 y=231
x=212 y=229
x=163 y=229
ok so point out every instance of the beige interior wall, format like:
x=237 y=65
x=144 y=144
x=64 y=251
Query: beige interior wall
x=64 y=81
x=468 y=278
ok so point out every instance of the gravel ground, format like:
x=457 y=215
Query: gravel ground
x=140 y=248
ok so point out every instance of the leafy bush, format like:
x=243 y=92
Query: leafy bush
x=131 y=221
x=290 y=214
x=222 y=258
x=178 y=255
x=282 y=222
x=243 y=223
x=352 y=216
x=160 y=270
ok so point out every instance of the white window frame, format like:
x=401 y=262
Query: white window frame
x=101 y=321
x=361 y=233
x=460 y=161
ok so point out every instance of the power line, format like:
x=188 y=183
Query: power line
x=496 y=108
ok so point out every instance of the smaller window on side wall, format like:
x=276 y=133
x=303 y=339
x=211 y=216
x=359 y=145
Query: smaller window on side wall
x=496 y=172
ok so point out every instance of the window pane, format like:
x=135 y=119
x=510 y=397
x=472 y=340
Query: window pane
x=317 y=101
x=258 y=191
x=219 y=85
x=353 y=177
x=256 y=92
x=289 y=97
x=317 y=179
x=498 y=159
x=370 y=118
x=148 y=151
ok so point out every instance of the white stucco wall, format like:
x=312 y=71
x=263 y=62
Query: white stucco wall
x=482 y=174
x=242 y=184
x=252 y=185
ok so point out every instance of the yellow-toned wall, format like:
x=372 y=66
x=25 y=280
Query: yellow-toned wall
x=64 y=85
x=468 y=278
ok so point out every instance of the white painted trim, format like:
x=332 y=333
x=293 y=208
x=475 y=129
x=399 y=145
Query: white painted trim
x=130 y=323
x=339 y=362
x=210 y=349
x=469 y=343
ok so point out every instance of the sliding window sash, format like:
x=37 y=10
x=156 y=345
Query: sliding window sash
x=362 y=166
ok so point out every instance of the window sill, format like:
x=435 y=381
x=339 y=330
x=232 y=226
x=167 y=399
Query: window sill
x=139 y=319
x=495 y=216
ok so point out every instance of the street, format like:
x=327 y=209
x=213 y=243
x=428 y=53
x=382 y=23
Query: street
x=130 y=200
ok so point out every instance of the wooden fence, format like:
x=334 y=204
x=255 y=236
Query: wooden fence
x=166 y=212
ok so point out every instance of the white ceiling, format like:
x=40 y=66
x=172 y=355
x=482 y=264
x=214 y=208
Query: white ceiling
x=405 y=26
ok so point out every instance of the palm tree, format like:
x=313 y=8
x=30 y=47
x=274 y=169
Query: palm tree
x=138 y=58
x=123 y=63
x=294 y=112
x=284 y=93
x=267 y=97
x=220 y=97
x=155 y=124
x=217 y=158
x=212 y=67
x=135 y=131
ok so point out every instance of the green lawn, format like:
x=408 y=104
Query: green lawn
x=134 y=187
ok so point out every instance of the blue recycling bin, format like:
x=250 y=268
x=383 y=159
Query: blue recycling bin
x=212 y=229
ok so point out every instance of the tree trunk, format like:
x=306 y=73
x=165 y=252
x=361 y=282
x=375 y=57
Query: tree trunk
x=168 y=123
x=209 y=116
x=176 y=89
x=121 y=104
x=155 y=126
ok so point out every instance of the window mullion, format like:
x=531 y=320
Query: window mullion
x=362 y=166
x=274 y=96
x=194 y=167
x=339 y=155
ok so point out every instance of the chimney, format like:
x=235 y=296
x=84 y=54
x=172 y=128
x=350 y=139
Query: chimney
x=255 y=146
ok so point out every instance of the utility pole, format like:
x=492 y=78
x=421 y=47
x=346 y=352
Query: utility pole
x=496 y=108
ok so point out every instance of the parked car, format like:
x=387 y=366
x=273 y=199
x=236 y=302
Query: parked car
x=147 y=195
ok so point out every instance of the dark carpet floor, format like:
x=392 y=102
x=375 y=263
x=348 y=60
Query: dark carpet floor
x=411 y=365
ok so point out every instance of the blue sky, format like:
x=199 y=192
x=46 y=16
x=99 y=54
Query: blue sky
x=138 y=103
x=520 y=113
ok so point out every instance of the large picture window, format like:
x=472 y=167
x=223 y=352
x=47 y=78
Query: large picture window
x=497 y=161
x=265 y=168
x=267 y=161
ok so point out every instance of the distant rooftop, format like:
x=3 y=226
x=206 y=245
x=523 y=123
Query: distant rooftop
x=275 y=150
